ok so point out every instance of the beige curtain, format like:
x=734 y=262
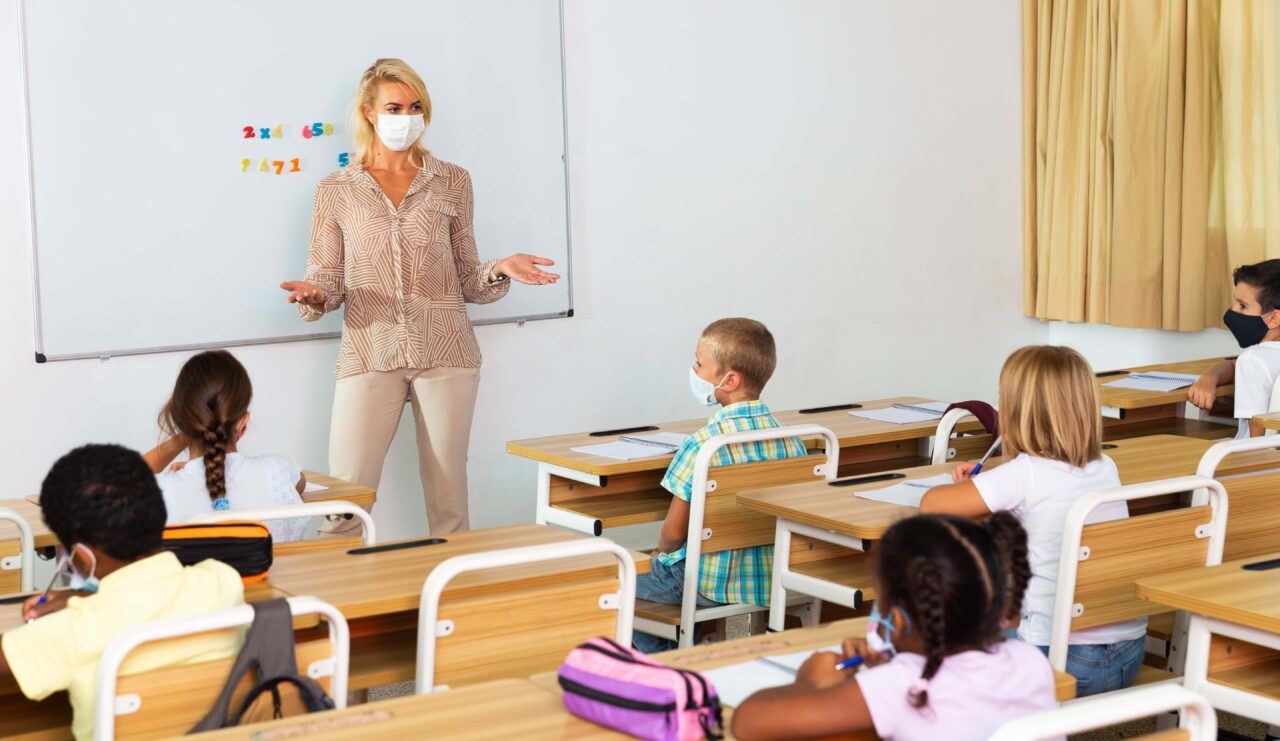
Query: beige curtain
x=1151 y=156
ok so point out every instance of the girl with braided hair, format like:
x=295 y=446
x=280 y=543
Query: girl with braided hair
x=207 y=416
x=935 y=660
x=1051 y=432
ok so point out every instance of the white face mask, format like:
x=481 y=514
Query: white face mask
x=77 y=581
x=703 y=390
x=398 y=133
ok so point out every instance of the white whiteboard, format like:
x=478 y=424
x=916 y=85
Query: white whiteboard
x=148 y=236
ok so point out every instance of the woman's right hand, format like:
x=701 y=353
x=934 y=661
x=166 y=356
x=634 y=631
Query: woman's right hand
x=302 y=292
x=962 y=472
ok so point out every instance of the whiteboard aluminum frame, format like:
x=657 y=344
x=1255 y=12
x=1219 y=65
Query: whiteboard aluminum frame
x=38 y=321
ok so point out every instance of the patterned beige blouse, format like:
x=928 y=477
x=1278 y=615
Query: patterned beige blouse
x=405 y=274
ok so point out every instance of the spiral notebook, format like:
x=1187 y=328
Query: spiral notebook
x=633 y=447
x=906 y=414
x=737 y=682
x=907 y=493
x=1154 y=381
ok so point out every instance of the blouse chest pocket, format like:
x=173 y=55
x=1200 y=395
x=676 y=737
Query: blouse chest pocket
x=427 y=254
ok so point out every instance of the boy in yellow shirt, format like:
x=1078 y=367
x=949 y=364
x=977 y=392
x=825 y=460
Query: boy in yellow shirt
x=103 y=504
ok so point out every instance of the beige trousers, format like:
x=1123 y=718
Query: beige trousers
x=366 y=412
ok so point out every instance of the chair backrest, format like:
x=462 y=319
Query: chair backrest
x=1099 y=563
x=942 y=438
x=159 y=703
x=1199 y=723
x=22 y=561
x=1253 y=528
x=307 y=509
x=431 y=627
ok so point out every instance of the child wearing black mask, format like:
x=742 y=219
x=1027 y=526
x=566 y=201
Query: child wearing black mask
x=1254 y=320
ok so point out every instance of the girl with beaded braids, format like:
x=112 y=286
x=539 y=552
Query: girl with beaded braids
x=207 y=416
x=935 y=663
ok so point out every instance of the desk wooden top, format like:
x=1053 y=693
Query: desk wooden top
x=1226 y=592
x=30 y=512
x=1136 y=399
x=715 y=655
x=835 y=508
x=849 y=430
x=1269 y=421
x=391 y=581
x=503 y=709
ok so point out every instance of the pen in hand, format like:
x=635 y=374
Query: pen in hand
x=982 y=462
x=849 y=663
x=44 y=596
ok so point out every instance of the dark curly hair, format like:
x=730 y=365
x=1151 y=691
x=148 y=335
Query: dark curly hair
x=104 y=496
x=957 y=580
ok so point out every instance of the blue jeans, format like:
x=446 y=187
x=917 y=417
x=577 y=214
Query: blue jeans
x=663 y=584
x=1103 y=667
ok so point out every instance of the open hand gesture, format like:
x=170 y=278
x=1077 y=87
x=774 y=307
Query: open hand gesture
x=302 y=292
x=524 y=268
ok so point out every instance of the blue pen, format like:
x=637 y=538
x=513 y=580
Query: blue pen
x=57 y=571
x=990 y=450
x=849 y=663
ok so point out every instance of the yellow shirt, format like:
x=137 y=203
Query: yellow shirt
x=60 y=651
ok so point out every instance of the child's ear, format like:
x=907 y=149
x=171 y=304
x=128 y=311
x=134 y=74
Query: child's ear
x=901 y=623
x=242 y=426
x=1272 y=319
x=732 y=382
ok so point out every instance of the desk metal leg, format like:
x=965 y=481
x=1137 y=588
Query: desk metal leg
x=546 y=514
x=785 y=580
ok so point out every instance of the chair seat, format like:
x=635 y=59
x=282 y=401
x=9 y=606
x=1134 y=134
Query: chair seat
x=1151 y=675
x=658 y=612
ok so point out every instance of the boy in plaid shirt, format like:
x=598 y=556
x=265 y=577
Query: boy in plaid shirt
x=733 y=361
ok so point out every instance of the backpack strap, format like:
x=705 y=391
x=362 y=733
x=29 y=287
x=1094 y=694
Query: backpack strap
x=268 y=650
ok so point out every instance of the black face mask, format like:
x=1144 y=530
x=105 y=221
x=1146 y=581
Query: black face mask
x=1248 y=330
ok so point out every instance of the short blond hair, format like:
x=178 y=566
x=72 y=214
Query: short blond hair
x=742 y=345
x=363 y=133
x=1049 y=405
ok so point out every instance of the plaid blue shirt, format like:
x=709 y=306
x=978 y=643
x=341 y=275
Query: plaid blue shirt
x=742 y=576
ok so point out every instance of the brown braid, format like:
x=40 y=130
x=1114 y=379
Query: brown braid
x=929 y=589
x=1011 y=539
x=210 y=397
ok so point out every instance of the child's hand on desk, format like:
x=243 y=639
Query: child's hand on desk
x=57 y=601
x=819 y=671
x=1203 y=392
x=858 y=647
x=962 y=472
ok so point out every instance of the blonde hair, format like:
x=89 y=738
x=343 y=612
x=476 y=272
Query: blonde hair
x=363 y=132
x=1049 y=405
x=745 y=346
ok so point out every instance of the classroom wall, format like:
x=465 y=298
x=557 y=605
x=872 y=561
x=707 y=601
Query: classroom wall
x=1118 y=347
x=845 y=172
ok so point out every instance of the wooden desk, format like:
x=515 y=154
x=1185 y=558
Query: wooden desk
x=1130 y=412
x=1269 y=421
x=503 y=709
x=556 y=601
x=588 y=493
x=1233 y=640
x=815 y=514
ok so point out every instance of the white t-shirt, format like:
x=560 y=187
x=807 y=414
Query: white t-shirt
x=253 y=482
x=973 y=693
x=1040 y=492
x=1256 y=372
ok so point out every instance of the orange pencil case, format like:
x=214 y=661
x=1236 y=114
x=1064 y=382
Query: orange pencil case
x=243 y=545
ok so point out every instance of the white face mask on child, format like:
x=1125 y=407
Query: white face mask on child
x=703 y=390
x=77 y=581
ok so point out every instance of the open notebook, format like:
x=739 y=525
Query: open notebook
x=737 y=682
x=1154 y=381
x=908 y=493
x=632 y=447
x=905 y=414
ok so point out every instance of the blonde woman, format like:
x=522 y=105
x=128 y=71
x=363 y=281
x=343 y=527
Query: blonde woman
x=392 y=239
x=1051 y=429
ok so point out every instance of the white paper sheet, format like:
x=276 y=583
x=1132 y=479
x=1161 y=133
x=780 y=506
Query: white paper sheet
x=1154 y=381
x=905 y=414
x=908 y=493
x=625 y=451
x=666 y=439
x=315 y=487
x=737 y=682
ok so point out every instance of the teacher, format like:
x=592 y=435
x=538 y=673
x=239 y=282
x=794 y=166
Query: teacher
x=392 y=238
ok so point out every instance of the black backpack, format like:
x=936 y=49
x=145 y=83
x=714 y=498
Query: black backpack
x=280 y=692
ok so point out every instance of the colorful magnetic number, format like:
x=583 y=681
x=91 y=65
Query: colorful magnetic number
x=317 y=129
x=270 y=165
x=263 y=132
x=344 y=159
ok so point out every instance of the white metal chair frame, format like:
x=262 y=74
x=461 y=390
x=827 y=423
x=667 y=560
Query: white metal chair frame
x=430 y=627
x=1091 y=713
x=25 y=560
x=942 y=450
x=690 y=613
x=291 y=511
x=107 y=705
x=1214 y=456
x=1064 y=605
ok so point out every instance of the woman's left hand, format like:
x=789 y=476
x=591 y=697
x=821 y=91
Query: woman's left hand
x=524 y=268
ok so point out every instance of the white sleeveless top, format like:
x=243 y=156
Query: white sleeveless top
x=253 y=482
